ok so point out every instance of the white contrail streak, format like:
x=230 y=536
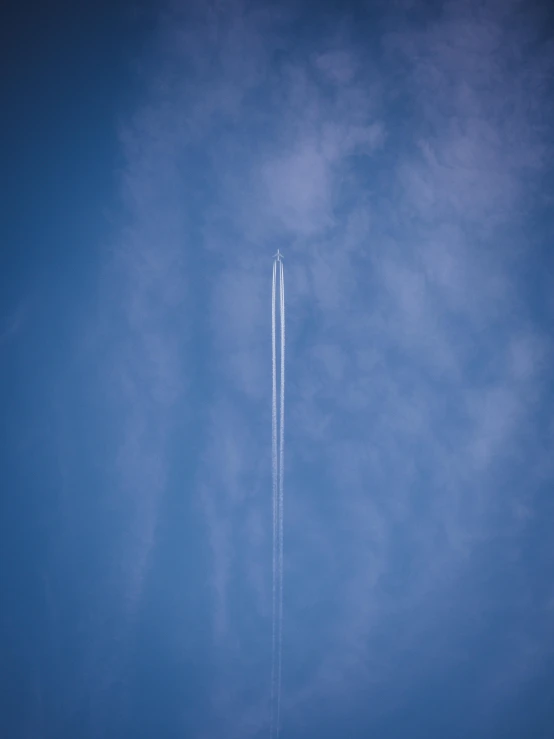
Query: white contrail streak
x=278 y=458
x=274 y=506
x=281 y=489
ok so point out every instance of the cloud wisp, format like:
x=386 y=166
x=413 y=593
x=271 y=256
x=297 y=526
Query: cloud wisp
x=401 y=176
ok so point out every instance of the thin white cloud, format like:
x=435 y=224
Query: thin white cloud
x=416 y=371
x=138 y=347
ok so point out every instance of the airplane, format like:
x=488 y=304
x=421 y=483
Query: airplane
x=278 y=256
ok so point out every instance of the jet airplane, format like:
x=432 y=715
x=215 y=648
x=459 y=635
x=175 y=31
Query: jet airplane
x=278 y=256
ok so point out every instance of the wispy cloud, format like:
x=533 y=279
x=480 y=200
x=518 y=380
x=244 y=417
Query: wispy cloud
x=138 y=346
x=398 y=183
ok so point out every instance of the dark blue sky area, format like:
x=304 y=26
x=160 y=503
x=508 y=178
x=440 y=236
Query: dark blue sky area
x=155 y=156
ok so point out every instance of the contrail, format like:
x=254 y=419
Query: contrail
x=281 y=489
x=274 y=505
x=278 y=458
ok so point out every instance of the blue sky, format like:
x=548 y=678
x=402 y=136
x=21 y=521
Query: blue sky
x=400 y=156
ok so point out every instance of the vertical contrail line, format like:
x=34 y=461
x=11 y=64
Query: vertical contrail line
x=281 y=487
x=278 y=462
x=275 y=512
